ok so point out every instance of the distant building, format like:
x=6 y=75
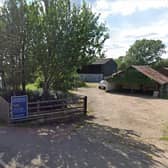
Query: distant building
x=139 y=79
x=98 y=70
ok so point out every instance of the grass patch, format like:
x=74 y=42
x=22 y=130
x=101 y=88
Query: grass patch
x=165 y=133
x=81 y=84
x=92 y=85
x=86 y=85
x=32 y=87
x=164 y=138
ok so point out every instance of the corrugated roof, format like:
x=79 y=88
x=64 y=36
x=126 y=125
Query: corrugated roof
x=166 y=68
x=151 y=73
x=102 y=61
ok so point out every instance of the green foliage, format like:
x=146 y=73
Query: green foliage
x=145 y=52
x=65 y=37
x=31 y=86
x=164 y=138
x=121 y=64
x=132 y=77
x=15 y=57
x=51 y=39
x=161 y=63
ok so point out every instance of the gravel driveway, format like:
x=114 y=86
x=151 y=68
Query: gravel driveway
x=121 y=132
x=145 y=115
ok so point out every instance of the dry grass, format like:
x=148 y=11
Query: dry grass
x=92 y=85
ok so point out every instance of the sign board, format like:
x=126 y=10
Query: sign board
x=19 y=107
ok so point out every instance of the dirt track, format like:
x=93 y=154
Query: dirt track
x=146 y=116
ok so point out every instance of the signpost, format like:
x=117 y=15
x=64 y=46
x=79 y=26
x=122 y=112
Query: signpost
x=19 y=107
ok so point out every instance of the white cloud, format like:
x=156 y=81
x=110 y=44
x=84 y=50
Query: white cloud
x=122 y=38
x=1 y=2
x=126 y=7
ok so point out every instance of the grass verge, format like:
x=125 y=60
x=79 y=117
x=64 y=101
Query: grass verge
x=92 y=85
x=164 y=138
x=165 y=133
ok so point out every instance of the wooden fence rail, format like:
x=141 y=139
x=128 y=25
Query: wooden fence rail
x=56 y=109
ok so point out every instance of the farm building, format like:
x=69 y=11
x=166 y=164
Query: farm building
x=164 y=71
x=98 y=70
x=139 y=79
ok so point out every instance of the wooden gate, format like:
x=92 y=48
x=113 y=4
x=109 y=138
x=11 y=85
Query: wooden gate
x=56 y=109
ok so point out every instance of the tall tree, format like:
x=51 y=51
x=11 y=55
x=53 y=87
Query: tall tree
x=145 y=52
x=64 y=38
x=121 y=64
x=15 y=42
x=161 y=63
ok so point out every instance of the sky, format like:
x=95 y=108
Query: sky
x=131 y=20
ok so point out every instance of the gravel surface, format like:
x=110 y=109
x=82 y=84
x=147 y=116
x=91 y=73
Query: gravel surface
x=146 y=116
x=121 y=132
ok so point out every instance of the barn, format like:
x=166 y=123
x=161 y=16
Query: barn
x=164 y=71
x=142 y=79
x=98 y=70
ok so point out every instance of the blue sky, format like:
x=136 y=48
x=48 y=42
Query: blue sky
x=130 y=20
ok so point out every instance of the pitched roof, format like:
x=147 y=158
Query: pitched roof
x=151 y=73
x=101 y=61
x=166 y=68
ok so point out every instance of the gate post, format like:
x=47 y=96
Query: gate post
x=85 y=105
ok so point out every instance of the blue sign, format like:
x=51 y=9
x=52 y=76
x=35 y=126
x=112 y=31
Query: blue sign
x=19 y=107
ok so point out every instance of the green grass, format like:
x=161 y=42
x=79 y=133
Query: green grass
x=165 y=133
x=31 y=86
x=164 y=138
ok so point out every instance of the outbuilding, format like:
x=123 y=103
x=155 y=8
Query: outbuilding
x=98 y=70
x=139 y=79
x=164 y=71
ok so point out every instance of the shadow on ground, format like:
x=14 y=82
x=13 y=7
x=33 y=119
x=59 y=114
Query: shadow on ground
x=75 y=145
x=138 y=95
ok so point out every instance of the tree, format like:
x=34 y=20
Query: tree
x=121 y=64
x=64 y=37
x=145 y=52
x=161 y=63
x=15 y=43
x=51 y=39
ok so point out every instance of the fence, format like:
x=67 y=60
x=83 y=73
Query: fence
x=56 y=109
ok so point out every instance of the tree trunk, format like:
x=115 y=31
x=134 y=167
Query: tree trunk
x=46 y=89
x=23 y=75
x=23 y=65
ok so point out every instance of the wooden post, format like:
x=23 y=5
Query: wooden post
x=85 y=105
x=38 y=106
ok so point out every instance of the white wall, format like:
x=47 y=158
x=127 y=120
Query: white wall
x=91 y=77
